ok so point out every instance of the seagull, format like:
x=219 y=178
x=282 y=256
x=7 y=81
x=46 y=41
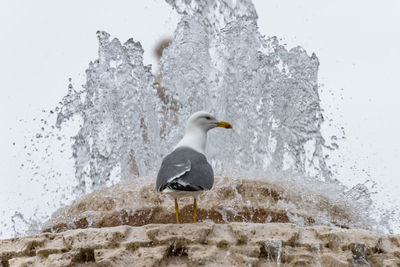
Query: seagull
x=185 y=171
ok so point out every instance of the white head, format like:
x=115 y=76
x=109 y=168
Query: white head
x=205 y=121
x=197 y=127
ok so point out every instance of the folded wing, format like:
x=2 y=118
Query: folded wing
x=185 y=170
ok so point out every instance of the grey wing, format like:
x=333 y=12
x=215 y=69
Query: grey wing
x=170 y=171
x=200 y=177
x=186 y=170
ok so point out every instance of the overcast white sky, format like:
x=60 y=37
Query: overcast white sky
x=44 y=42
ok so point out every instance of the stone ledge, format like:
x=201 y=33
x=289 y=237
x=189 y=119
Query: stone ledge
x=234 y=244
x=230 y=200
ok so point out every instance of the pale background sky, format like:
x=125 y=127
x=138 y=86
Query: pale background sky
x=45 y=42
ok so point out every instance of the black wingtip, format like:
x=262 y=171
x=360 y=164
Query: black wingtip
x=175 y=185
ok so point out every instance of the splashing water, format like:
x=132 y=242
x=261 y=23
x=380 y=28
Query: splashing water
x=217 y=61
x=120 y=110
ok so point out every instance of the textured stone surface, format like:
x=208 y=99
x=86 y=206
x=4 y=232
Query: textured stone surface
x=230 y=200
x=241 y=223
x=234 y=244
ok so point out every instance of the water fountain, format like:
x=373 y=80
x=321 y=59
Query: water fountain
x=271 y=168
x=217 y=61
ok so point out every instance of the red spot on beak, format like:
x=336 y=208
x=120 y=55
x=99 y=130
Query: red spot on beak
x=224 y=124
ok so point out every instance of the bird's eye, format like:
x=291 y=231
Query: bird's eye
x=208 y=118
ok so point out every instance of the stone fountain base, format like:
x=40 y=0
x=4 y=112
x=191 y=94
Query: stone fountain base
x=230 y=200
x=204 y=244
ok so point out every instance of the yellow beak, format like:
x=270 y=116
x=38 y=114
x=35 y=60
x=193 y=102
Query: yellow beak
x=224 y=124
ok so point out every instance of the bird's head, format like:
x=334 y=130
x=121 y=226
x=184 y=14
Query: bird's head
x=205 y=121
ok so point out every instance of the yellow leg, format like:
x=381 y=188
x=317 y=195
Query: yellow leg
x=176 y=211
x=194 y=210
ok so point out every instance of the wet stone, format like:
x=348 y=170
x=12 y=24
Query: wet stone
x=359 y=256
x=273 y=249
